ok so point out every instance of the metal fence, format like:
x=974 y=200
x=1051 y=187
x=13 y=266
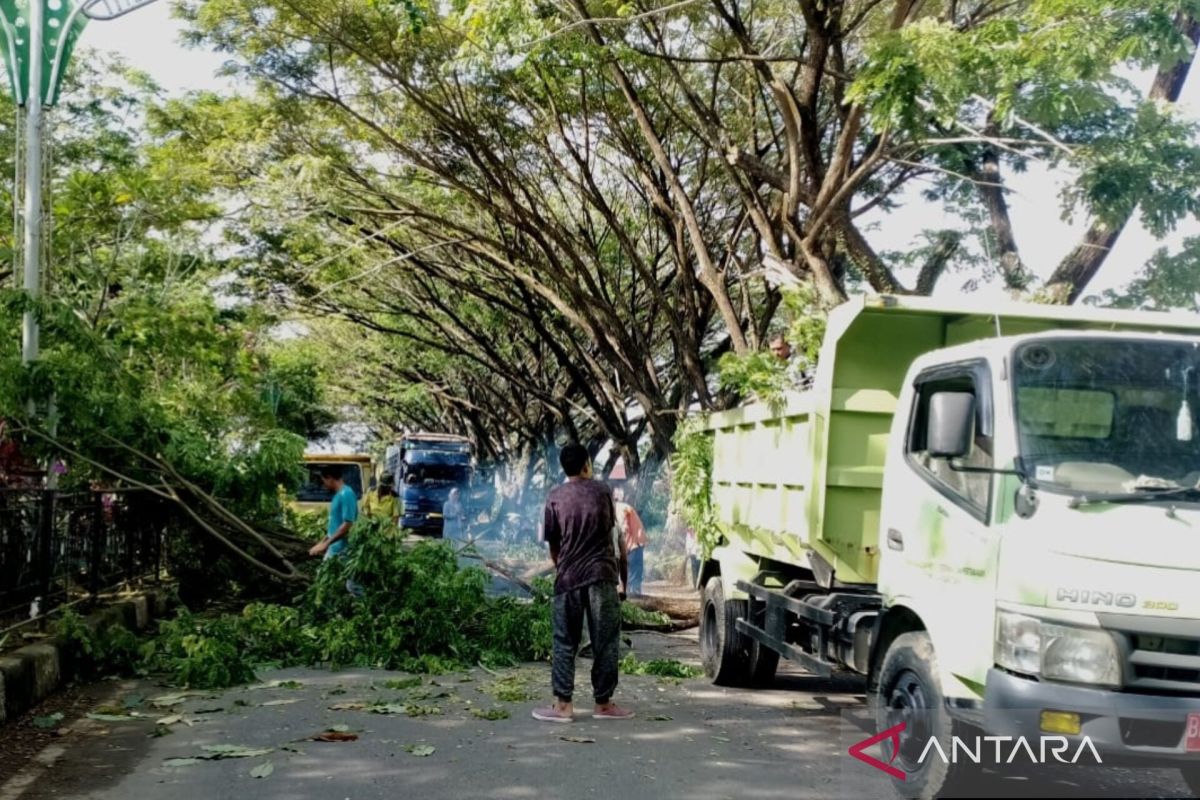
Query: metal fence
x=57 y=547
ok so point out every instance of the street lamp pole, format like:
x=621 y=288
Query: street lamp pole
x=34 y=112
x=37 y=38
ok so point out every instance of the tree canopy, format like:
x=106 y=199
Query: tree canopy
x=529 y=222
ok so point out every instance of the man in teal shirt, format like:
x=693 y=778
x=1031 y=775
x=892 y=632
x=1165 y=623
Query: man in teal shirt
x=343 y=511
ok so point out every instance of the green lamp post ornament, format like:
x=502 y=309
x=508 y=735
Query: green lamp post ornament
x=39 y=38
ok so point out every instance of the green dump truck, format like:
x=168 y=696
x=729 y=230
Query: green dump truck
x=992 y=512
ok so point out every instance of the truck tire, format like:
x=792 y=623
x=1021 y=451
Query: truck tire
x=763 y=662
x=909 y=691
x=1191 y=776
x=724 y=652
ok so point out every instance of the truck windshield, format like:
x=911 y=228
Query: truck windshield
x=1109 y=416
x=314 y=491
x=436 y=474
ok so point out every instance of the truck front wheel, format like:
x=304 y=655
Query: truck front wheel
x=1191 y=775
x=910 y=694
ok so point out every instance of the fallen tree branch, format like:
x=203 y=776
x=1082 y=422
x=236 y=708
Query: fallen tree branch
x=168 y=492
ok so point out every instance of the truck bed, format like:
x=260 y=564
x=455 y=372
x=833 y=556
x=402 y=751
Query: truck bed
x=806 y=478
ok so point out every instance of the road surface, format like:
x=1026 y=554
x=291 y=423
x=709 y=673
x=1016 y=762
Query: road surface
x=691 y=740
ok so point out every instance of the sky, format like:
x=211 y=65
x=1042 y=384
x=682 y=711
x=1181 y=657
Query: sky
x=150 y=40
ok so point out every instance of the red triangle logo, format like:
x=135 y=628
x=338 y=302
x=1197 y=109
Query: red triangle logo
x=892 y=733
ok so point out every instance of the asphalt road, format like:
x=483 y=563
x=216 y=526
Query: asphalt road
x=690 y=740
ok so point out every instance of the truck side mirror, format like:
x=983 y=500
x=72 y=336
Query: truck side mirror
x=951 y=424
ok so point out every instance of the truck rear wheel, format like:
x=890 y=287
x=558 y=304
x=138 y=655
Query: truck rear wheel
x=731 y=658
x=910 y=692
x=724 y=652
x=763 y=664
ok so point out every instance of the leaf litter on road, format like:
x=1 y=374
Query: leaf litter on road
x=174 y=699
x=48 y=722
x=578 y=739
x=408 y=709
x=287 y=702
x=219 y=752
x=421 y=750
x=175 y=719
x=98 y=717
x=490 y=714
x=512 y=688
x=335 y=736
x=280 y=684
x=263 y=770
x=216 y=752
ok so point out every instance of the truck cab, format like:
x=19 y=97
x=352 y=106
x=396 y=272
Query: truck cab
x=312 y=496
x=428 y=467
x=1004 y=539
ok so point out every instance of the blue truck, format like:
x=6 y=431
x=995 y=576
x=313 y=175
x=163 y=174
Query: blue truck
x=426 y=467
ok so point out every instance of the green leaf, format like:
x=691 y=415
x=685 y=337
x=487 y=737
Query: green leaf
x=48 y=722
x=110 y=717
x=491 y=714
x=220 y=751
x=168 y=700
x=263 y=770
x=421 y=750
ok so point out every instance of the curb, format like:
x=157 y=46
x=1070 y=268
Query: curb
x=32 y=673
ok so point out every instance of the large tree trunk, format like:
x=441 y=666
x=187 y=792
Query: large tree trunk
x=991 y=190
x=1076 y=271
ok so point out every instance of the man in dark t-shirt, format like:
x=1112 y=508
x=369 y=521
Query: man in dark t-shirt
x=589 y=560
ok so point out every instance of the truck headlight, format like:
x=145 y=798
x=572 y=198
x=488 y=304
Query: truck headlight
x=1056 y=652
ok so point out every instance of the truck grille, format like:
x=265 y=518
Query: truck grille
x=1162 y=663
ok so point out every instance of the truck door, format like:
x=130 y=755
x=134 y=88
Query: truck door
x=942 y=550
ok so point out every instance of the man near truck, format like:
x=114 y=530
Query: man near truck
x=343 y=513
x=381 y=503
x=794 y=366
x=578 y=526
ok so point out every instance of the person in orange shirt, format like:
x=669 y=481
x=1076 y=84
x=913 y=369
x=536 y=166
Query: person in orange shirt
x=630 y=526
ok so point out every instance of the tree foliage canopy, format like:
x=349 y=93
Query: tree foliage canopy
x=536 y=221
x=144 y=359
